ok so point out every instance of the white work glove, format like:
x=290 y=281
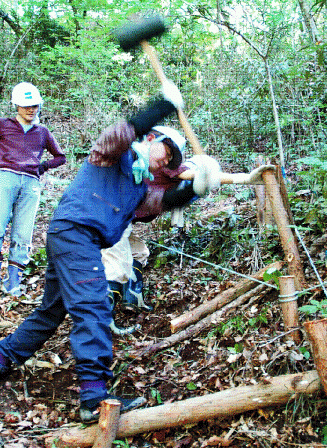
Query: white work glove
x=207 y=174
x=172 y=94
x=254 y=177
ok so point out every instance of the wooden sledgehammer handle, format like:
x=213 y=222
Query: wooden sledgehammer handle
x=156 y=65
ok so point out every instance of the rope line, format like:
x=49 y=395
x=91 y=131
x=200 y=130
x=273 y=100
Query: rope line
x=310 y=260
x=217 y=266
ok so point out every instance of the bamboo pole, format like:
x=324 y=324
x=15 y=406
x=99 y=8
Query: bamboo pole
x=220 y=300
x=317 y=334
x=108 y=424
x=288 y=302
x=285 y=233
x=279 y=391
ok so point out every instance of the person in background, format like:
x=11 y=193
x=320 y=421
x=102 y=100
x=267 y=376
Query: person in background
x=22 y=144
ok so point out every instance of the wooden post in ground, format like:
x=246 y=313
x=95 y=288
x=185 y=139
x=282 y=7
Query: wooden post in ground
x=278 y=391
x=286 y=235
x=108 y=424
x=284 y=194
x=288 y=302
x=263 y=206
x=317 y=334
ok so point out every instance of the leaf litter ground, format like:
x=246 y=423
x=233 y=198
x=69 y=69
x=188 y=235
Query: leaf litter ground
x=246 y=348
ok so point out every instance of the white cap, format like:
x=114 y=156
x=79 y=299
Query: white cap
x=26 y=94
x=176 y=143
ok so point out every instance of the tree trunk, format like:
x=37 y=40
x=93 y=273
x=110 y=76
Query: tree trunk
x=280 y=390
x=275 y=113
x=309 y=21
x=220 y=300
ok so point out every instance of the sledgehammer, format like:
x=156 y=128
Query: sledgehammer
x=138 y=33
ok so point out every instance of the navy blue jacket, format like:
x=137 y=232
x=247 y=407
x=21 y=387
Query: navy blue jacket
x=104 y=198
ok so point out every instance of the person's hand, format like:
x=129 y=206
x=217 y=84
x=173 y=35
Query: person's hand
x=207 y=174
x=254 y=177
x=171 y=93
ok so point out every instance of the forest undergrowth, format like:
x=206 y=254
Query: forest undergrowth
x=186 y=268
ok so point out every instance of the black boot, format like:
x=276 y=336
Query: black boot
x=133 y=291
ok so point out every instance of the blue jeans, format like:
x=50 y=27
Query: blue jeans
x=75 y=284
x=19 y=199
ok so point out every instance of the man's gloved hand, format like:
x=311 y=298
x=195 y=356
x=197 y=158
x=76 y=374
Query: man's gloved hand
x=146 y=118
x=171 y=93
x=207 y=174
x=254 y=177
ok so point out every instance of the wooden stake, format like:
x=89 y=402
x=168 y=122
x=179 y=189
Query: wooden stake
x=220 y=300
x=317 y=334
x=263 y=206
x=108 y=424
x=284 y=194
x=278 y=391
x=285 y=233
x=288 y=302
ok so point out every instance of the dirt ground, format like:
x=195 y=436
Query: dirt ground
x=247 y=347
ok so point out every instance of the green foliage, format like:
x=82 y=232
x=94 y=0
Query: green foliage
x=305 y=352
x=238 y=348
x=315 y=308
x=37 y=262
x=121 y=443
x=240 y=325
x=314 y=175
x=324 y=433
x=272 y=274
x=156 y=395
x=191 y=386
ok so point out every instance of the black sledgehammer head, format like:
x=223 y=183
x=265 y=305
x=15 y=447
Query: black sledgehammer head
x=130 y=35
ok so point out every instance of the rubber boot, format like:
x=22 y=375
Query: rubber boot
x=11 y=284
x=133 y=291
x=114 y=294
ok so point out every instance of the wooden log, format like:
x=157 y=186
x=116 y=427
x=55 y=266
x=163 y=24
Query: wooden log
x=285 y=233
x=316 y=331
x=220 y=300
x=279 y=391
x=108 y=424
x=193 y=330
x=288 y=302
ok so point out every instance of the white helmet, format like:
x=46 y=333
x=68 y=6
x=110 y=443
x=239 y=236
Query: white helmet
x=176 y=143
x=25 y=94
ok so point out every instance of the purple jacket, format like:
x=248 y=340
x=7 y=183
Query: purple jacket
x=22 y=152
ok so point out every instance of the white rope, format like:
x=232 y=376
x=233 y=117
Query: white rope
x=217 y=266
x=304 y=291
x=285 y=298
x=310 y=260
